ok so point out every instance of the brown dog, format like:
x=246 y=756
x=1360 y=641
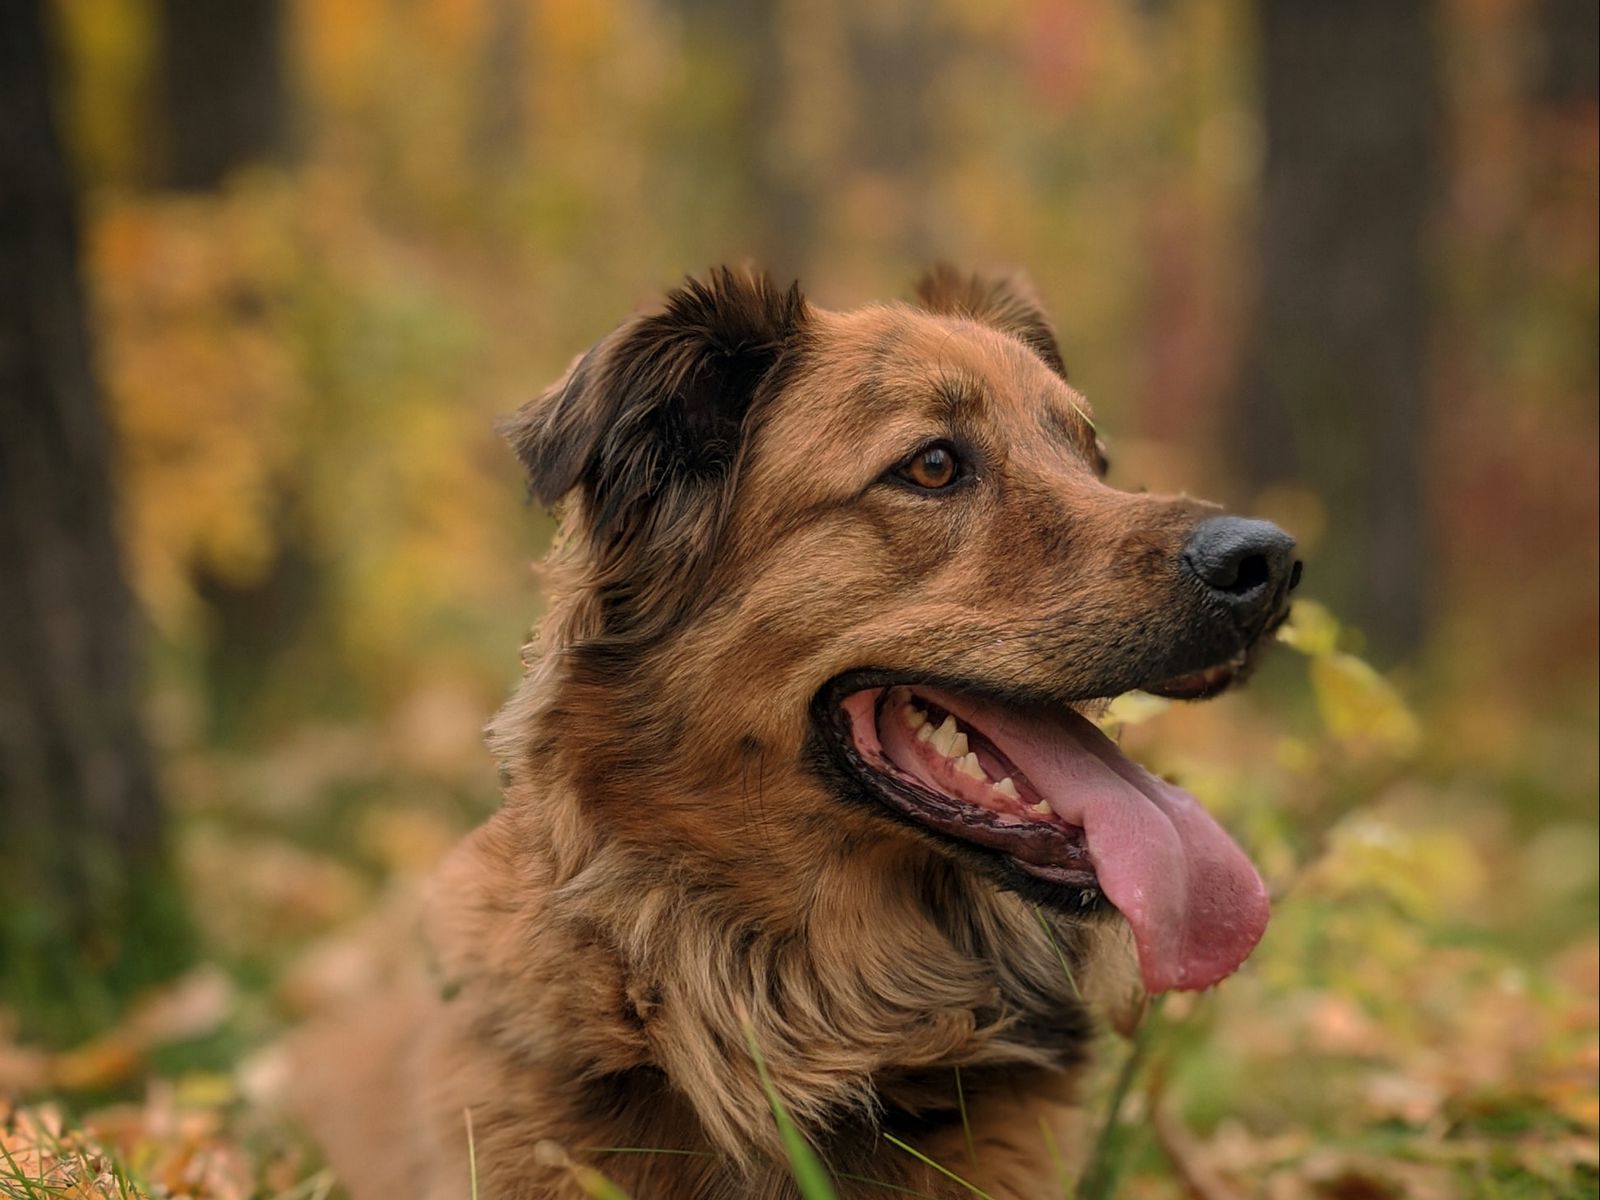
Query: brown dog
x=800 y=761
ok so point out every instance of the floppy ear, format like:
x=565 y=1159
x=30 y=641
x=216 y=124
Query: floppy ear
x=661 y=399
x=1007 y=302
x=645 y=426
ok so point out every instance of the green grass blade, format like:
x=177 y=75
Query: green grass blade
x=945 y=1171
x=591 y=1182
x=1053 y=1149
x=1061 y=957
x=18 y=1175
x=966 y=1125
x=897 y=1189
x=595 y=1185
x=809 y=1175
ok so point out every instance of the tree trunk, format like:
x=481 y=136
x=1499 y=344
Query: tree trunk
x=895 y=56
x=85 y=912
x=1571 y=36
x=1335 y=389
x=499 y=134
x=223 y=88
x=745 y=38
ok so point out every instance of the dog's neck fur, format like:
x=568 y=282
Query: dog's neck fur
x=860 y=991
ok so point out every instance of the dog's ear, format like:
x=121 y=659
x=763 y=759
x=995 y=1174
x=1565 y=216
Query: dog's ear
x=658 y=406
x=1007 y=302
x=644 y=430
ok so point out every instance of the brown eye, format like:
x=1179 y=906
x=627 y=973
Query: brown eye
x=933 y=467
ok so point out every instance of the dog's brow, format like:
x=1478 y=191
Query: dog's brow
x=1076 y=431
x=956 y=395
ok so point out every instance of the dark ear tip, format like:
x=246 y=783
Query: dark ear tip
x=513 y=430
x=749 y=279
x=945 y=287
x=507 y=426
x=1005 y=299
x=944 y=281
x=549 y=479
x=739 y=304
x=937 y=278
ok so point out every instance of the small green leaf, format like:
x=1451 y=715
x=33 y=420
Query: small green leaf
x=1310 y=629
x=1361 y=707
x=1130 y=708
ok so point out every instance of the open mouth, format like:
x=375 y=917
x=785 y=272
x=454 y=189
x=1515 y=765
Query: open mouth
x=1044 y=788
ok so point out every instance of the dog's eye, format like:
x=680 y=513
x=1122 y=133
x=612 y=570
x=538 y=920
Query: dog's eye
x=934 y=467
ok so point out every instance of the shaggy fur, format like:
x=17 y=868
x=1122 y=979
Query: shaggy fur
x=678 y=865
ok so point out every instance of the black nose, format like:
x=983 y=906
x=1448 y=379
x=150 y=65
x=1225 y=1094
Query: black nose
x=1248 y=565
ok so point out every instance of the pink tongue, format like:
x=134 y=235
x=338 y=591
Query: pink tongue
x=1194 y=901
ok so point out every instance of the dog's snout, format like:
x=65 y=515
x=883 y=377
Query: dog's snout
x=1248 y=565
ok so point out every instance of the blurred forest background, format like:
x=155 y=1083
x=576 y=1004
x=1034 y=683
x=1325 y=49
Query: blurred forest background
x=268 y=270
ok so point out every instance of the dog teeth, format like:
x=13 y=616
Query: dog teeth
x=1007 y=789
x=914 y=717
x=925 y=733
x=969 y=766
x=944 y=737
x=958 y=748
x=1042 y=808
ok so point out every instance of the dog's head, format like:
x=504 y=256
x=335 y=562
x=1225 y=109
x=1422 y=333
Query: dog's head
x=850 y=580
